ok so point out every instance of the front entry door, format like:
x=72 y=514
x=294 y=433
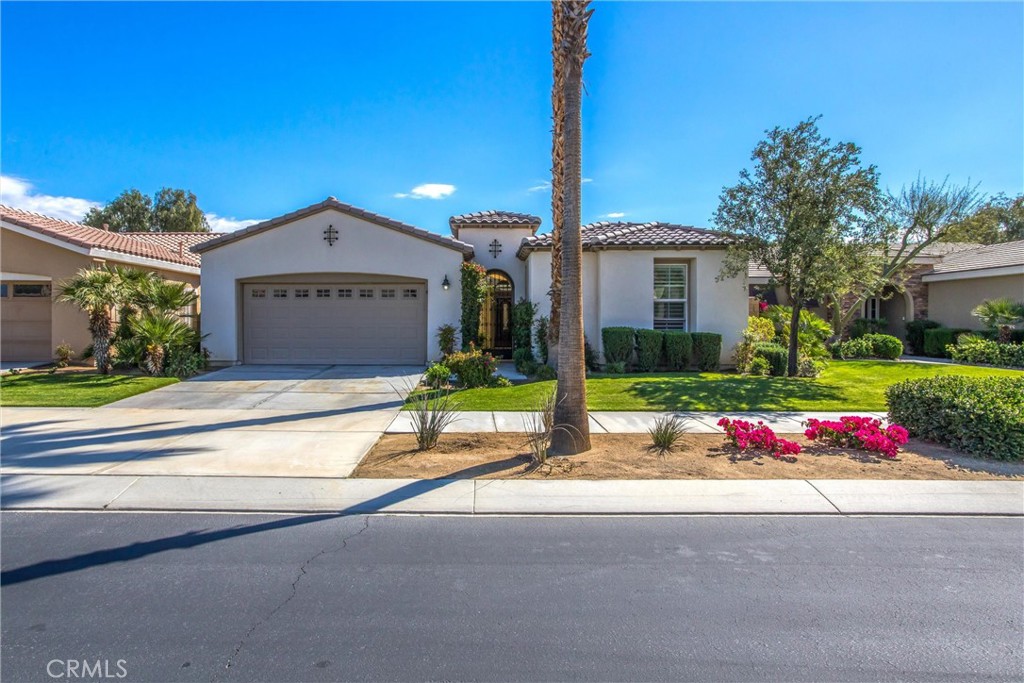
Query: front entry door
x=496 y=316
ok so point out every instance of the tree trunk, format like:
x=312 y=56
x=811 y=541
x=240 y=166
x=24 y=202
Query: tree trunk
x=572 y=428
x=557 y=176
x=794 y=337
x=101 y=327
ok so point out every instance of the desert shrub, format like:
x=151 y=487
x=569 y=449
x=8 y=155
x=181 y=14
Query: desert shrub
x=185 y=361
x=540 y=336
x=666 y=432
x=915 y=334
x=590 y=356
x=618 y=344
x=776 y=355
x=615 y=368
x=539 y=425
x=678 y=350
x=983 y=416
x=522 y=358
x=437 y=375
x=431 y=413
x=447 y=337
x=975 y=349
x=523 y=312
x=64 y=354
x=870 y=346
x=707 y=349
x=760 y=367
x=862 y=326
x=544 y=373
x=649 y=345
x=938 y=338
x=474 y=368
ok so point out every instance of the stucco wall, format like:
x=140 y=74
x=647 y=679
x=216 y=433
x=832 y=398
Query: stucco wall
x=30 y=256
x=950 y=302
x=506 y=261
x=618 y=289
x=298 y=247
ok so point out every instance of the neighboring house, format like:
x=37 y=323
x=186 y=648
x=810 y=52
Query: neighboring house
x=332 y=283
x=38 y=252
x=966 y=278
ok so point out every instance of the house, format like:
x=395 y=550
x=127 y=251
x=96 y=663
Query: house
x=332 y=283
x=964 y=279
x=39 y=251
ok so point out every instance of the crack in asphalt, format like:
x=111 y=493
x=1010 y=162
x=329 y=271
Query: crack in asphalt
x=294 y=591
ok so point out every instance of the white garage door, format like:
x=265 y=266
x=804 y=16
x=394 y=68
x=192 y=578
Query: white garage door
x=361 y=324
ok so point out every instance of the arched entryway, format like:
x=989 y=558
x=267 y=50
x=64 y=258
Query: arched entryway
x=496 y=316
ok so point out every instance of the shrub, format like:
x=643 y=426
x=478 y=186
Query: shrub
x=521 y=358
x=590 y=356
x=983 y=416
x=431 y=413
x=473 y=367
x=616 y=368
x=678 y=350
x=437 y=375
x=446 y=339
x=862 y=433
x=665 y=432
x=862 y=326
x=523 y=313
x=618 y=344
x=810 y=367
x=1016 y=336
x=915 y=334
x=540 y=335
x=744 y=435
x=758 y=330
x=707 y=349
x=760 y=367
x=474 y=291
x=775 y=355
x=127 y=352
x=64 y=353
x=812 y=330
x=539 y=425
x=870 y=346
x=499 y=381
x=938 y=338
x=545 y=373
x=649 y=344
x=975 y=349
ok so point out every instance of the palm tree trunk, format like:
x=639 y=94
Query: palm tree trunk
x=101 y=327
x=572 y=428
x=557 y=176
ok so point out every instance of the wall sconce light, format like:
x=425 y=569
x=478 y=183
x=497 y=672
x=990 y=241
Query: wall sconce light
x=445 y=284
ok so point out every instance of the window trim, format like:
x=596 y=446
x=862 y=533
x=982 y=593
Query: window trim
x=685 y=301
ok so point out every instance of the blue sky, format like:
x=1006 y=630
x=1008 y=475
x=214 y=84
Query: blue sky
x=263 y=108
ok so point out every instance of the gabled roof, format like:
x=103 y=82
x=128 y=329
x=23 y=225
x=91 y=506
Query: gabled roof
x=87 y=237
x=1005 y=254
x=494 y=219
x=333 y=203
x=653 y=235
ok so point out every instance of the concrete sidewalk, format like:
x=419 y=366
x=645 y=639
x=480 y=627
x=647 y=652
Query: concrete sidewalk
x=515 y=497
x=629 y=422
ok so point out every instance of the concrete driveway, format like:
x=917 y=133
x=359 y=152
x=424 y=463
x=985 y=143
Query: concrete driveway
x=273 y=421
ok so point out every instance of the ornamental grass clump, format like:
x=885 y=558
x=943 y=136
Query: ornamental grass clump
x=744 y=435
x=862 y=433
x=666 y=432
x=431 y=414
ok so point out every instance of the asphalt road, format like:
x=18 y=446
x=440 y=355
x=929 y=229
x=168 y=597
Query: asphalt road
x=198 y=597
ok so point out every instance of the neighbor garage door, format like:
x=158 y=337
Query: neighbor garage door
x=362 y=324
x=25 y=314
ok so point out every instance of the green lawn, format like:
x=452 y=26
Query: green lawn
x=73 y=389
x=845 y=385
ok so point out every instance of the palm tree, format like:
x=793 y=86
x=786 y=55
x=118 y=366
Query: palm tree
x=1001 y=314
x=166 y=297
x=557 y=178
x=157 y=331
x=97 y=291
x=572 y=434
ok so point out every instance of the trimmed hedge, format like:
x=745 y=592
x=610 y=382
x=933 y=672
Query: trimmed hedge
x=938 y=338
x=618 y=344
x=915 y=334
x=649 y=344
x=983 y=416
x=678 y=350
x=870 y=346
x=974 y=349
x=707 y=349
x=776 y=355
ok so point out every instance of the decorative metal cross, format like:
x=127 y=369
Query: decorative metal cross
x=330 y=235
x=495 y=248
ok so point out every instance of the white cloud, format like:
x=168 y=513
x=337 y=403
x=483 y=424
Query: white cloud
x=225 y=224
x=428 y=191
x=614 y=214
x=540 y=187
x=20 y=194
x=587 y=180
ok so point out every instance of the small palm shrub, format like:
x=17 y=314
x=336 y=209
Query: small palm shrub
x=431 y=414
x=437 y=375
x=1001 y=314
x=158 y=332
x=618 y=344
x=128 y=352
x=666 y=432
x=474 y=368
x=678 y=350
x=649 y=344
x=447 y=336
x=707 y=349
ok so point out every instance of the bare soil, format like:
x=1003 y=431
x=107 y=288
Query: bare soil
x=697 y=456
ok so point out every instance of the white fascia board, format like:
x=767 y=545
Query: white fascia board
x=972 y=274
x=131 y=259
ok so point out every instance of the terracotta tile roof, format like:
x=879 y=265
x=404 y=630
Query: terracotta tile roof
x=495 y=218
x=653 y=235
x=93 y=238
x=171 y=240
x=333 y=203
x=980 y=258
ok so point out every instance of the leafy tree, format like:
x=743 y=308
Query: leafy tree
x=131 y=211
x=171 y=210
x=808 y=212
x=1000 y=219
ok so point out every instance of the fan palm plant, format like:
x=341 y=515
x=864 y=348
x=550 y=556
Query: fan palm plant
x=166 y=297
x=571 y=396
x=1000 y=314
x=157 y=331
x=97 y=291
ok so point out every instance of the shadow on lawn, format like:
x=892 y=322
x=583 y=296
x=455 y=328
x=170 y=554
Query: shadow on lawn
x=697 y=392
